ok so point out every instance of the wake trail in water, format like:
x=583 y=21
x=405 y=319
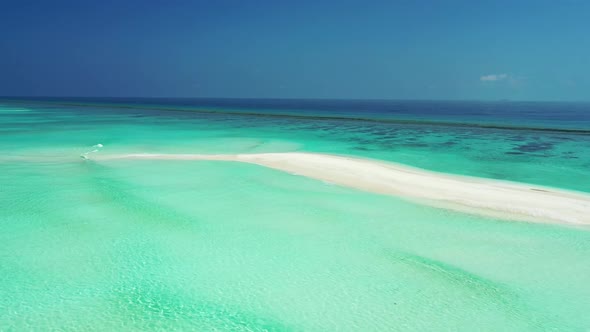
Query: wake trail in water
x=96 y=148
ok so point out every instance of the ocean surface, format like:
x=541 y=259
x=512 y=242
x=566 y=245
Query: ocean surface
x=202 y=245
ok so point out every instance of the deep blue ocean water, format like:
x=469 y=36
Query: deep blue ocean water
x=571 y=116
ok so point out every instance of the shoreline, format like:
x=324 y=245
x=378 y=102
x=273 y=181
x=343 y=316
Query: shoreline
x=485 y=197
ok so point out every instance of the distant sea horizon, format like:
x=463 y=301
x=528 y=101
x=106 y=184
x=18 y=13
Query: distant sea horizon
x=570 y=116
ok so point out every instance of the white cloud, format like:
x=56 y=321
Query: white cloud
x=493 y=77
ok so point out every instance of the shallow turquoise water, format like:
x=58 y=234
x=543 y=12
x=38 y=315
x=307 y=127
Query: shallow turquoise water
x=177 y=245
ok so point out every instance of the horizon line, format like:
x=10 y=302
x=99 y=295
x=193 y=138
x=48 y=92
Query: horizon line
x=507 y=100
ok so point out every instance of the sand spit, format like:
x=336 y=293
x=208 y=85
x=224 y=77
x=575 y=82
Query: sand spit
x=492 y=198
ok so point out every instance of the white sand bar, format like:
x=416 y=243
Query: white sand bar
x=493 y=198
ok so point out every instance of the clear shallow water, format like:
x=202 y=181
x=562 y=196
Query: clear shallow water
x=140 y=245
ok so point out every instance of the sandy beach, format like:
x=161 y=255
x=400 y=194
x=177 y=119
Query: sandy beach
x=492 y=198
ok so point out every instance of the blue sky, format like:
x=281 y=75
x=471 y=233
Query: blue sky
x=521 y=50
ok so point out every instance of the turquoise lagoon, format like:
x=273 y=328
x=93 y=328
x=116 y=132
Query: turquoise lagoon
x=200 y=245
